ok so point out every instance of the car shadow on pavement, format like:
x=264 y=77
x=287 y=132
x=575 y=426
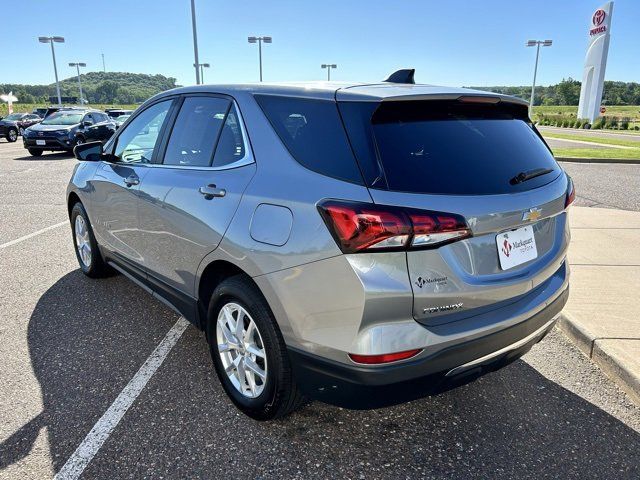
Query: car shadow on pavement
x=47 y=156
x=87 y=339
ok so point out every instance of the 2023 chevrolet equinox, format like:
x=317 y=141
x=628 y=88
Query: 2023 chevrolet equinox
x=359 y=244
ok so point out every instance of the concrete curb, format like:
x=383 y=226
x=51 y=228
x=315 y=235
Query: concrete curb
x=601 y=355
x=631 y=161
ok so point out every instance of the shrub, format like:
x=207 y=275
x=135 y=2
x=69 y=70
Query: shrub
x=611 y=123
x=598 y=124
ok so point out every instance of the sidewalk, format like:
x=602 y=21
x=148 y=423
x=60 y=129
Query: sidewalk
x=602 y=315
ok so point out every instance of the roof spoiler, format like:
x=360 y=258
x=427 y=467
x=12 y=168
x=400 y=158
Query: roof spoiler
x=402 y=76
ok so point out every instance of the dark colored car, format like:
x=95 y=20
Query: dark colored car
x=66 y=128
x=116 y=112
x=41 y=112
x=15 y=124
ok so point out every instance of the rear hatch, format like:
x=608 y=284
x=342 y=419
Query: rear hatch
x=474 y=156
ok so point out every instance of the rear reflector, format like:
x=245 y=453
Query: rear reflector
x=384 y=358
x=571 y=193
x=359 y=227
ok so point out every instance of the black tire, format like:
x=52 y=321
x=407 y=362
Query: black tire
x=21 y=131
x=34 y=152
x=80 y=140
x=280 y=395
x=97 y=268
x=12 y=135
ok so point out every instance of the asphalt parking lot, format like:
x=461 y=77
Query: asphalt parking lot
x=70 y=345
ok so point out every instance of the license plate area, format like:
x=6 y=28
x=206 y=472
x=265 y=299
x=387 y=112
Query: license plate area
x=516 y=247
x=41 y=142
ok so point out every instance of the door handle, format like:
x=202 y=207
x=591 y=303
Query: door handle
x=211 y=191
x=131 y=180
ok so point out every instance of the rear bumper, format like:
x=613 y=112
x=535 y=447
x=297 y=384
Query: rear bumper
x=362 y=387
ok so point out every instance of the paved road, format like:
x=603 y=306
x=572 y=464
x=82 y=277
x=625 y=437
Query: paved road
x=629 y=136
x=70 y=345
x=606 y=185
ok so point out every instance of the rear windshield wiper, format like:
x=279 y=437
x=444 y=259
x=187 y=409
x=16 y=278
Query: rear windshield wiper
x=528 y=175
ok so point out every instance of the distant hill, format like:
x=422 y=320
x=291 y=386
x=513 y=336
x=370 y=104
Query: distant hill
x=567 y=92
x=97 y=87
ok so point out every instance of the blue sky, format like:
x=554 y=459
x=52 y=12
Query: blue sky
x=449 y=42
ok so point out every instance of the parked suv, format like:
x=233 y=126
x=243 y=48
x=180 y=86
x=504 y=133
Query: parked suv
x=66 y=128
x=14 y=124
x=361 y=245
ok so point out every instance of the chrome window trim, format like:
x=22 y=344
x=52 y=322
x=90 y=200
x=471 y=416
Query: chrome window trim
x=248 y=158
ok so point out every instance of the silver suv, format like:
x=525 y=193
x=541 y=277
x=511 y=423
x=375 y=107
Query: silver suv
x=358 y=244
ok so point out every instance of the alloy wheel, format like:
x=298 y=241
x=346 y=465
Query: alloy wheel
x=83 y=245
x=13 y=135
x=241 y=350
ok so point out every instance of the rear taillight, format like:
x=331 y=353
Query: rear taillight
x=571 y=194
x=384 y=358
x=359 y=227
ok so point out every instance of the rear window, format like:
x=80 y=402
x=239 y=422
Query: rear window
x=313 y=133
x=448 y=147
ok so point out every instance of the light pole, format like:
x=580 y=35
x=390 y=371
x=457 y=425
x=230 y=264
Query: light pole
x=104 y=69
x=202 y=67
x=53 y=40
x=536 y=43
x=329 y=66
x=259 y=41
x=78 y=65
x=195 y=41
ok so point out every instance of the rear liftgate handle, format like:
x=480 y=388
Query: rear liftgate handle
x=211 y=191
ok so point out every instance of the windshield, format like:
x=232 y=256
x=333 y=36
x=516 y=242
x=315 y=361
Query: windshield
x=121 y=119
x=63 y=118
x=14 y=116
x=448 y=147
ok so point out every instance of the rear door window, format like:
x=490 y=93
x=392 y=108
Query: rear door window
x=448 y=148
x=313 y=133
x=196 y=131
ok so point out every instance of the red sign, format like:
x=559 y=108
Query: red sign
x=603 y=109
x=598 y=17
x=598 y=20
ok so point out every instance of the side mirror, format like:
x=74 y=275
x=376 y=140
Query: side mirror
x=87 y=123
x=89 y=152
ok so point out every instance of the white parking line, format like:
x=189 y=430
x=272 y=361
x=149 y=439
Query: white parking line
x=101 y=431
x=31 y=235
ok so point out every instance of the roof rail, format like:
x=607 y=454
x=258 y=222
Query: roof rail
x=402 y=76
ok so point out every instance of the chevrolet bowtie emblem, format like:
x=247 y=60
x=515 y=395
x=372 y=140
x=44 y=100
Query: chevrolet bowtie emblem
x=531 y=215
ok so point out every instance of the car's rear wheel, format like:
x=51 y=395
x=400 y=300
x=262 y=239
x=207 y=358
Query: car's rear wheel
x=248 y=351
x=80 y=140
x=12 y=135
x=34 y=152
x=87 y=252
x=21 y=130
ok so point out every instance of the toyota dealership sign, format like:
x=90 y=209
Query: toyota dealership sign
x=595 y=63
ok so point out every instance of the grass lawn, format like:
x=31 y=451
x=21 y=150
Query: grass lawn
x=597 y=153
x=631 y=111
x=601 y=139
